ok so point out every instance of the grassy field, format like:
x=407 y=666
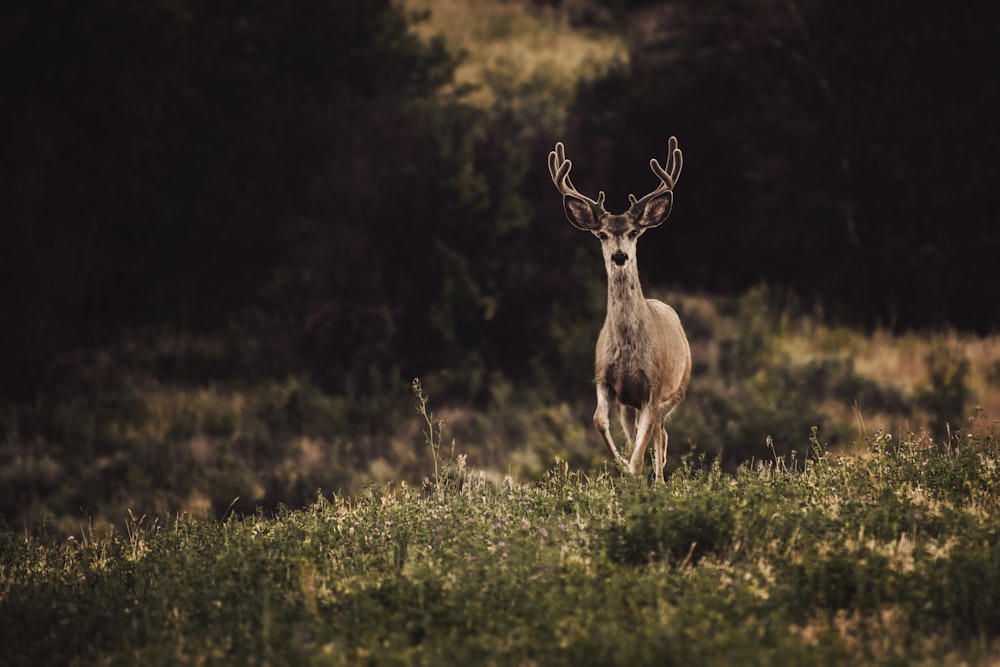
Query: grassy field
x=832 y=496
x=886 y=554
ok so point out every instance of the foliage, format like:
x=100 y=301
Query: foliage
x=163 y=449
x=766 y=399
x=815 y=137
x=233 y=233
x=156 y=439
x=313 y=177
x=294 y=173
x=885 y=556
x=948 y=392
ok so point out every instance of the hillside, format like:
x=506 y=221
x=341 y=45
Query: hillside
x=886 y=556
x=519 y=53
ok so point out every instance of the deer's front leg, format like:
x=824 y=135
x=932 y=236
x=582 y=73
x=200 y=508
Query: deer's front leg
x=643 y=434
x=602 y=421
x=627 y=416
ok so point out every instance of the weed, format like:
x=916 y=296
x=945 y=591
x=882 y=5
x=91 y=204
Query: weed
x=948 y=392
x=446 y=472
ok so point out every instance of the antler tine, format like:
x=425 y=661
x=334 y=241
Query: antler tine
x=668 y=175
x=559 y=168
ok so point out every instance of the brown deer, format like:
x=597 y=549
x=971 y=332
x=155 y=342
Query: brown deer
x=643 y=360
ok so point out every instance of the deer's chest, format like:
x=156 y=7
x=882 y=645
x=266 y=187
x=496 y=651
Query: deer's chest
x=621 y=369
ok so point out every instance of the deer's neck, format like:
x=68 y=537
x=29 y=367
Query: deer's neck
x=624 y=363
x=627 y=310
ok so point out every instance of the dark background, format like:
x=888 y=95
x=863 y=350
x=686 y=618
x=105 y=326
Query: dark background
x=287 y=176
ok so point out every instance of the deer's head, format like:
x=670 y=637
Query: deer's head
x=618 y=233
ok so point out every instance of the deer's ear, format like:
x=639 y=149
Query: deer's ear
x=581 y=213
x=657 y=210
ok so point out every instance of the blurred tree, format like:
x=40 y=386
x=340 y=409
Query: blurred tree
x=295 y=168
x=843 y=151
x=169 y=161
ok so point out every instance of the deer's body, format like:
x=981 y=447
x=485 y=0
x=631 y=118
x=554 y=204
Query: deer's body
x=642 y=364
x=643 y=360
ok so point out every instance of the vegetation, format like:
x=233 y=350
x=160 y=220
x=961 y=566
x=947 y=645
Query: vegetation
x=809 y=165
x=884 y=555
x=159 y=444
x=233 y=233
x=224 y=171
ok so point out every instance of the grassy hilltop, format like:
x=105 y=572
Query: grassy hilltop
x=887 y=554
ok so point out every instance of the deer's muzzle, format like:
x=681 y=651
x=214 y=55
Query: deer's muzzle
x=619 y=258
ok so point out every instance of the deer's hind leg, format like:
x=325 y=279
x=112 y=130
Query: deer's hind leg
x=659 y=454
x=660 y=439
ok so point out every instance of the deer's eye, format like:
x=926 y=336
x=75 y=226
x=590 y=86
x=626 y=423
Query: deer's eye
x=633 y=234
x=602 y=236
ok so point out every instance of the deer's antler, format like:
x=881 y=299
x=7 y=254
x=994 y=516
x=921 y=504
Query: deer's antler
x=668 y=176
x=559 y=168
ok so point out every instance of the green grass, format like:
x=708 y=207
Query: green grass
x=888 y=555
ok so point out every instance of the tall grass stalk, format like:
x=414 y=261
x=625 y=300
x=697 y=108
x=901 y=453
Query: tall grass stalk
x=433 y=433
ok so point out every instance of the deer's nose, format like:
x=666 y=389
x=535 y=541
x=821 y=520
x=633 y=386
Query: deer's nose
x=619 y=257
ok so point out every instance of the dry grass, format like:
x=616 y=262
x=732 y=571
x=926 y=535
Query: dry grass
x=901 y=361
x=901 y=364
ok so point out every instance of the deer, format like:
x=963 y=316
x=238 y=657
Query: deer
x=642 y=360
